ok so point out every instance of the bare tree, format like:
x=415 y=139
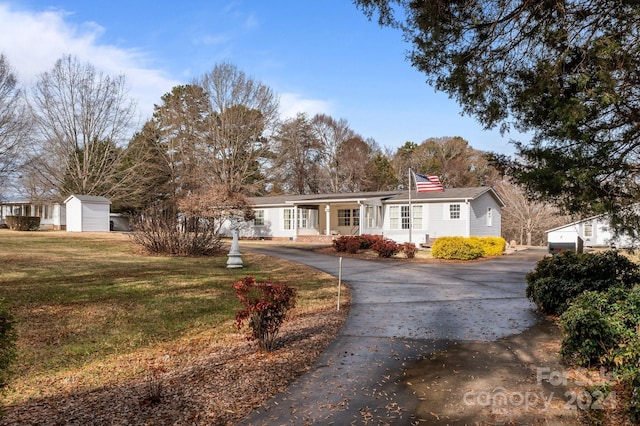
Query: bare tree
x=525 y=220
x=355 y=155
x=295 y=155
x=332 y=134
x=83 y=120
x=13 y=121
x=243 y=112
x=451 y=158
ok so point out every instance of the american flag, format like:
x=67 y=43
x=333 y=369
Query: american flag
x=427 y=183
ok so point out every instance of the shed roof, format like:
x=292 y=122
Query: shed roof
x=89 y=199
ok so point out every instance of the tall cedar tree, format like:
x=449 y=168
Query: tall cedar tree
x=565 y=72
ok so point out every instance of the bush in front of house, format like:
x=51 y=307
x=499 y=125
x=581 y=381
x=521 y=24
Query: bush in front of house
x=368 y=240
x=344 y=243
x=602 y=329
x=385 y=248
x=265 y=308
x=409 y=250
x=491 y=246
x=556 y=281
x=23 y=223
x=459 y=248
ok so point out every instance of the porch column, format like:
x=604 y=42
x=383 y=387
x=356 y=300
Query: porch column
x=295 y=222
x=327 y=218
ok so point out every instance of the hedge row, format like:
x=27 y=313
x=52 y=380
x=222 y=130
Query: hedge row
x=23 y=223
x=463 y=248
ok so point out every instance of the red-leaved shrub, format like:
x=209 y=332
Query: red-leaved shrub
x=265 y=308
x=409 y=250
x=385 y=248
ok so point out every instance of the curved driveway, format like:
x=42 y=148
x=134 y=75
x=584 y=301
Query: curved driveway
x=400 y=313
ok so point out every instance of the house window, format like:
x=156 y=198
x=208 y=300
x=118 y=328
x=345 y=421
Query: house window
x=288 y=219
x=344 y=217
x=303 y=218
x=417 y=217
x=489 y=216
x=399 y=217
x=394 y=217
x=588 y=230
x=454 y=211
x=373 y=214
x=404 y=216
x=258 y=220
x=348 y=217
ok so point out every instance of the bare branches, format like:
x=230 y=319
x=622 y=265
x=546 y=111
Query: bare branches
x=13 y=122
x=82 y=118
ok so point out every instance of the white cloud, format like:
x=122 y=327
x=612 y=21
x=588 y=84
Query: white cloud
x=292 y=103
x=33 y=41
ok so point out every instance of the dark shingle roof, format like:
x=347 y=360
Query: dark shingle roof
x=450 y=194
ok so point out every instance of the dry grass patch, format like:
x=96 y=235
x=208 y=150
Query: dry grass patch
x=100 y=325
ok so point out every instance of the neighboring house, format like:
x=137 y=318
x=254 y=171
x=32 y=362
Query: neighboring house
x=453 y=212
x=592 y=232
x=52 y=215
x=86 y=213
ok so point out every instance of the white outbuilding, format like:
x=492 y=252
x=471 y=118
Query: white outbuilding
x=86 y=213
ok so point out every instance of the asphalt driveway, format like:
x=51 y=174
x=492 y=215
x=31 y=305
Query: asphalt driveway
x=400 y=313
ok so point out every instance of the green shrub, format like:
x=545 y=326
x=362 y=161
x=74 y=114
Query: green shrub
x=8 y=339
x=556 y=281
x=456 y=248
x=265 y=308
x=23 y=223
x=603 y=328
x=588 y=330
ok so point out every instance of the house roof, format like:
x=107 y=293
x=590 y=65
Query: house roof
x=452 y=194
x=89 y=199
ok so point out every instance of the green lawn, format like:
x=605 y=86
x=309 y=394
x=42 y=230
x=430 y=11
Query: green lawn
x=89 y=303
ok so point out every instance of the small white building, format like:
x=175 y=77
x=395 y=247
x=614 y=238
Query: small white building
x=86 y=213
x=52 y=215
x=592 y=232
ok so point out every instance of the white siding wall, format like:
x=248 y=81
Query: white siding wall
x=95 y=217
x=478 y=218
x=74 y=215
x=273 y=225
x=441 y=224
x=436 y=222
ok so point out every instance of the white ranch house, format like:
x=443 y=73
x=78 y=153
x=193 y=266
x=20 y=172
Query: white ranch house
x=454 y=212
x=52 y=215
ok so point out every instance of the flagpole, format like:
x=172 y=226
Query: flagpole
x=410 y=209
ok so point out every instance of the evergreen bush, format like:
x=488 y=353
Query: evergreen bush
x=23 y=223
x=556 y=281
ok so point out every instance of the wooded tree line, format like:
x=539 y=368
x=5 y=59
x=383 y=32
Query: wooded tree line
x=218 y=136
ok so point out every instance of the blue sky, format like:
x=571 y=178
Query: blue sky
x=319 y=56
